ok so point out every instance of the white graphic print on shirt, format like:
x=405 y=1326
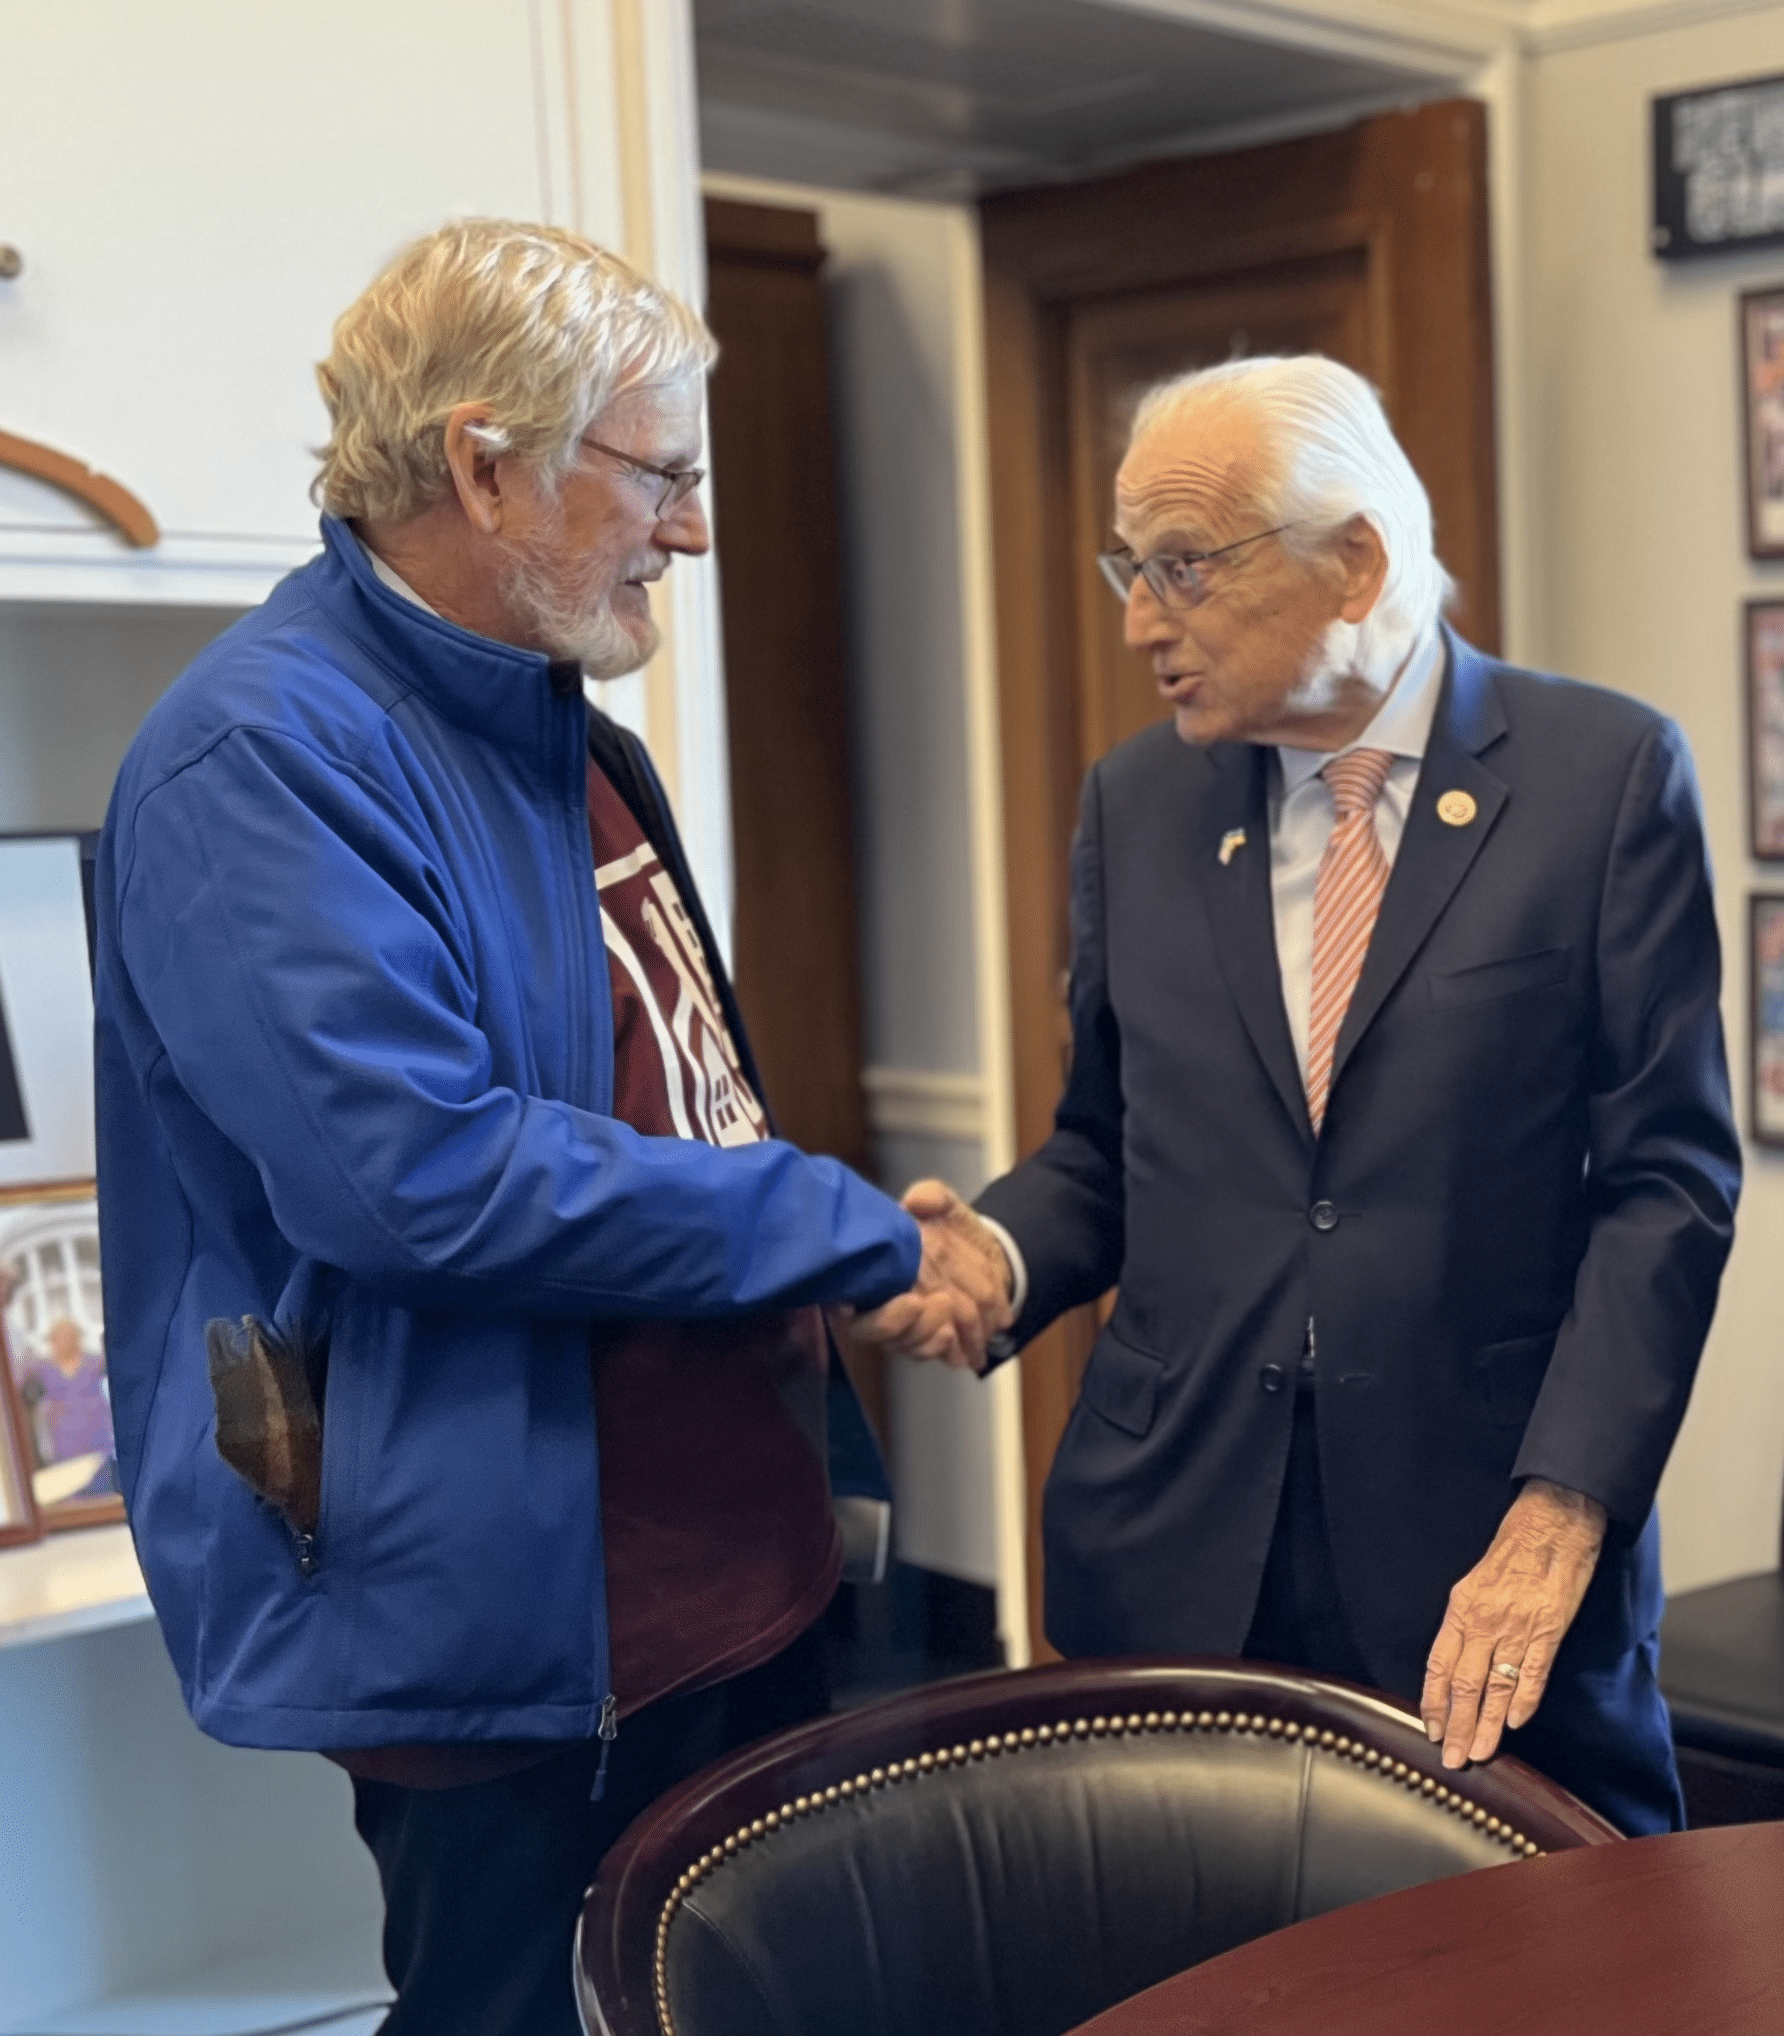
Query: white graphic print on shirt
x=708 y=1095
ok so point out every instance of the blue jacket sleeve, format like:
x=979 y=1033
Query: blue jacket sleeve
x=297 y=954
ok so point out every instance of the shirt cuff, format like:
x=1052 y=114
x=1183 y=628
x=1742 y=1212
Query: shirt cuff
x=1004 y=1345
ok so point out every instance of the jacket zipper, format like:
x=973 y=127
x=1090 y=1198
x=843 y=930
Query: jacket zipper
x=308 y=1561
x=607 y=1731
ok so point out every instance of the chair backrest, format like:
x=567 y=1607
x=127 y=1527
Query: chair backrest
x=1010 y=1854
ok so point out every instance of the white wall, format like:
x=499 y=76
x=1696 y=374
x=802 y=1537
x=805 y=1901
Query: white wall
x=1635 y=537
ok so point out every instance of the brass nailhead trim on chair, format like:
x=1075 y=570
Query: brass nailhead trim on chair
x=1317 y=1739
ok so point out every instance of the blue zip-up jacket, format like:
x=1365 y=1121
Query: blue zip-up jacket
x=355 y=1069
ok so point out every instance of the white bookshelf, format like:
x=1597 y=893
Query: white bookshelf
x=80 y=1582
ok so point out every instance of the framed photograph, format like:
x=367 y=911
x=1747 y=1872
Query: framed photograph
x=52 y=1324
x=1765 y=730
x=46 y=1012
x=1765 y=1051
x=18 y=1503
x=1762 y=412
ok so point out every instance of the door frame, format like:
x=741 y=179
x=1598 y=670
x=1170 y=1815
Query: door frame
x=1413 y=191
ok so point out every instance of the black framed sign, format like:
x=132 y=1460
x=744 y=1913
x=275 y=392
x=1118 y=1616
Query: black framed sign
x=1719 y=169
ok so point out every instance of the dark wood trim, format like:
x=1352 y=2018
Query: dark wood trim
x=777 y=234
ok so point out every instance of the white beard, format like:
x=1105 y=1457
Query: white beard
x=574 y=622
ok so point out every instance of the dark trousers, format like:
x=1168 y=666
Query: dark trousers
x=483 y=1884
x=1603 y=1734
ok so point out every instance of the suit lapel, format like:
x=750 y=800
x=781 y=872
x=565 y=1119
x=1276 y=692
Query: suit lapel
x=1434 y=856
x=1240 y=910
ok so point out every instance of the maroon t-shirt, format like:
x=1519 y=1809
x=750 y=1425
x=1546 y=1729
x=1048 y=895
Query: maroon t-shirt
x=715 y=1500
x=715 y=1503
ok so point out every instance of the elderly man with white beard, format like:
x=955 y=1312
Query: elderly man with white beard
x=472 y=1386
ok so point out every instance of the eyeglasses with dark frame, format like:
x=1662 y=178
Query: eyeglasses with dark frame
x=1172 y=576
x=678 y=482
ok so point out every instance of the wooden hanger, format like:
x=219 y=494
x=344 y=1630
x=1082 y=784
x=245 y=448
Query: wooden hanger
x=99 y=491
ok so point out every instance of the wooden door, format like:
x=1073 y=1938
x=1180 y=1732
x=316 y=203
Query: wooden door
x=777 y=528
x=1369 y=245
x=780 y=558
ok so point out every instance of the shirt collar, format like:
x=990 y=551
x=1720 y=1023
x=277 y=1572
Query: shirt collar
x=391 y=577
x=1402 y=723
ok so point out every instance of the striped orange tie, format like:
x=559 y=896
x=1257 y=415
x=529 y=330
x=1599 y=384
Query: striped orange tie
x=1353 y=873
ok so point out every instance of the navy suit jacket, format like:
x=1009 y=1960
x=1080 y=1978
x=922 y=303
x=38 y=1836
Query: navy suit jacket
x=1509 y=1231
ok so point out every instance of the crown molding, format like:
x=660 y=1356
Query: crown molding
x=1555 y=25
x=1444 y=38
x=1441 y=38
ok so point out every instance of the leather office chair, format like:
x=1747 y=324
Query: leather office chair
x=1722 y=1672
x=1010 y=1854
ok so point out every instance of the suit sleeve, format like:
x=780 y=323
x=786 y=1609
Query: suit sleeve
x=1065 y=1206
x=1664 y=1157
x=304 y=967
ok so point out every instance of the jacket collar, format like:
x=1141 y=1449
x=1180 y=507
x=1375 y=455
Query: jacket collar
x=517 y=700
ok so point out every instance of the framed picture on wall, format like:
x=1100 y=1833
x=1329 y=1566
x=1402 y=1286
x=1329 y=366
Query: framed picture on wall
x=46 y=1012
x=1765 y=1053
x=1765 y=730
x=1762 y=411
x=52 y=1326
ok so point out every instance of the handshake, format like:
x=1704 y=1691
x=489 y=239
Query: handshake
x=962 y=1296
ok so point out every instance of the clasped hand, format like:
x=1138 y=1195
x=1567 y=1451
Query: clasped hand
x=962 y=1295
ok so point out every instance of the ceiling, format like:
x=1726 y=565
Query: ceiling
x=953 y=97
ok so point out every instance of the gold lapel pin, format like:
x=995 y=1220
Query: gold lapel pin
x=1456 y=809
x=1230 y=844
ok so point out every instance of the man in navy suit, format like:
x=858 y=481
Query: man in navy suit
x=1399 y=1116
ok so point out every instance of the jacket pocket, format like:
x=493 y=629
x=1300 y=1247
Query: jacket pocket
x=1511 y=977
x=1122 y=1384
x=1511 y=1376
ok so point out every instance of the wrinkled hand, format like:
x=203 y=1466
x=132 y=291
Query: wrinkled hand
x=1512 y=1608
x=962 y=1296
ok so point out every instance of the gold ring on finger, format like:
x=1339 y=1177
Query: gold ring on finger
x=1507 y=1669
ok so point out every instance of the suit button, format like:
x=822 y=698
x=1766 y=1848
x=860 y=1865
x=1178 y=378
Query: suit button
x=1272 y=1378
x=1323 y=1216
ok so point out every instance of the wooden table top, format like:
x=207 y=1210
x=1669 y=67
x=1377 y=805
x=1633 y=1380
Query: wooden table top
x=1675 y=1936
